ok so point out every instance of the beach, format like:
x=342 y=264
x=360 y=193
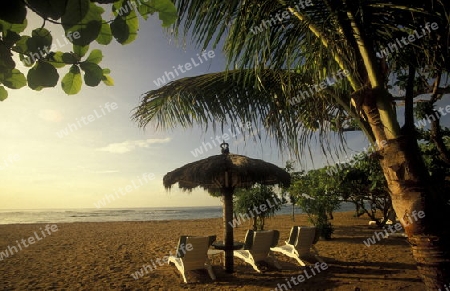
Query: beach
x=111 y=256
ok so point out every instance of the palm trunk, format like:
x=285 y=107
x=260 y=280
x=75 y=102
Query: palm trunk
x=421 y=211
x=228 y=229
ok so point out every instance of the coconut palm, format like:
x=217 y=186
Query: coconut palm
x=282 y=52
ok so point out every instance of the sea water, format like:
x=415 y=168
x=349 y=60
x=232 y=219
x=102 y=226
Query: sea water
x=129 y=214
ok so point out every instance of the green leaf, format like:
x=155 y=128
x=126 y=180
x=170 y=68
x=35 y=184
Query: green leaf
x=19 y=27
x=21 y=45
x=52 y=8
x=120 y=30
x=26 y=60
x=86 y=28
x=42 y=75
x=56 y=59
x=133 y=27
x=125 y=30
x=95 y=56
x=41 y=40
x=93 y=74
x=145 y=9
x=13 y=12
x=87 y=32
x=44 y=34
x=11 y=38
x=107 y=80
x=167 y=11
x=105 y=35
x=16 y=81
x=122 y=8
x=3 y=93
x=70 y=58
x=7 y=27
x=76 y=10
x=80 y=50
x=71 y=83
x=6 y=60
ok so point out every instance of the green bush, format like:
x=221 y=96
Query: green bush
x=247 y=199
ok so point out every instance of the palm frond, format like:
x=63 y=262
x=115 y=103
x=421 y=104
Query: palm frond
x=274 y=103
x=267 y=70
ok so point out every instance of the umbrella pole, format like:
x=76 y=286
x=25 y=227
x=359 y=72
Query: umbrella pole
x=228 y=229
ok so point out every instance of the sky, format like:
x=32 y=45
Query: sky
x=63 y=151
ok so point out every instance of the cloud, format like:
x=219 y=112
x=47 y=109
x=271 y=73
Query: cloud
x=50 y=115
x=129 y=145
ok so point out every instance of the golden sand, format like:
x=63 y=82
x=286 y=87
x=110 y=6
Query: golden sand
x=103 y=256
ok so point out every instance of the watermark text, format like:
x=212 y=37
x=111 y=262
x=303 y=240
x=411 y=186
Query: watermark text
x=12 y=249
x=165 y=260
x=183 y=68
x=307 y=274
x=135 y=184
x=85 y=120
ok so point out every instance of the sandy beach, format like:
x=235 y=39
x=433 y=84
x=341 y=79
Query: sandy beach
x=104 y=256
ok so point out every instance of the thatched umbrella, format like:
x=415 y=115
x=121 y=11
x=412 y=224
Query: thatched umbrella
x=223 y=173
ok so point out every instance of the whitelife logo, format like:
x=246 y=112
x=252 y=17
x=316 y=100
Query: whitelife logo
x=205 y=56
x=225 y=137
x=432 y=117
x=140 y=273
x=11 y=250
x=392 y=47
x=392 y=228
x=85 y=120
x=130 y=6
x=319 y=267
x=55 y=46
x=128 y=188
x=241 y=218
x=279 y=16
x=328 y=82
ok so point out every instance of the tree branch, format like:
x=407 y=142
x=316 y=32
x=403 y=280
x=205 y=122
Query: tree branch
x=409 y=100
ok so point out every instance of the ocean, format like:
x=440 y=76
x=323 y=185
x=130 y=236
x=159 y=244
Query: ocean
x=129 y=214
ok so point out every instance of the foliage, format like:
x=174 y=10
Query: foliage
x=363 y=183
x=318 y=197
x=84 y=22
x=285 y=193
x=439 y=170
x=247 y=200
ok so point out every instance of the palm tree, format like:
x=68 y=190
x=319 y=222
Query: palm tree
x=282 y=55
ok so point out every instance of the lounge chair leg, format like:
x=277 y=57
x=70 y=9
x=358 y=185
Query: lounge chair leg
x=184 y=277
x=274 y=261
x=300 y=262
x=211 y=272
x=255 y=267
x=277 y=265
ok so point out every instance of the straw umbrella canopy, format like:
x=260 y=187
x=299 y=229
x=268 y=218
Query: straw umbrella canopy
x=223 y=173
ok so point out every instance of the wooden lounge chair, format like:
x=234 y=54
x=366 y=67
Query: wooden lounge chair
x=257 y=248
x=192 y=255
x=301 y=243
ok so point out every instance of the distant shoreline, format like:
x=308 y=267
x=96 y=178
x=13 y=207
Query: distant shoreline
x=126 y=214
